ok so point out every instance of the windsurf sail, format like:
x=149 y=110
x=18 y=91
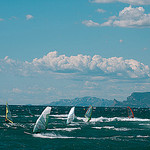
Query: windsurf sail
x=130 y=112
x=29 y=111
x=8 y=117
x=88 y=114
x=71 y=115
x=42 y=121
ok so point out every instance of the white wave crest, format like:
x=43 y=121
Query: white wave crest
x=27 y=116
x=141 y=136
x=55 y=136
x=80 y=118
x=15 y=116
x=142 y=124
x=112 y=128
x=75 y=123
x=63 y=115
x=97 y=127
x=64 y=129
x=51 y=136
x=62 y=118
x=2 y=116
x=108 y=127
x=105 y=119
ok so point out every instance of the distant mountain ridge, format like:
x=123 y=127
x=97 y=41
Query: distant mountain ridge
x=136 y=99
x=84 y=101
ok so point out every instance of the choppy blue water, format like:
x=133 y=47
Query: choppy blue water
x=109 y=128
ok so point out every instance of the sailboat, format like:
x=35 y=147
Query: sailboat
x=42 y=121
x=88 y=114
x=130 y=112
x=8 y=117
x=71 y=115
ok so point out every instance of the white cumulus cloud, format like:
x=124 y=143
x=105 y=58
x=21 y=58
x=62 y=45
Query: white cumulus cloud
x=16 y=90
x=129 y=17
x=90 y=23
x=132 y=2
x=113 y=66
x=120 y=41
x=90 y=85
x=100 y=10
x=28 y=17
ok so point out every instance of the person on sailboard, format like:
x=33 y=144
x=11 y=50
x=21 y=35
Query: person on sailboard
x=130 y=112
x=6 y=120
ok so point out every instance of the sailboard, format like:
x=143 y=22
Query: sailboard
x=27 y=133
x=8 y=117
x=130 y=112
x=71 y=115
x=29 y=111
x=42 y=121
x=88 y=114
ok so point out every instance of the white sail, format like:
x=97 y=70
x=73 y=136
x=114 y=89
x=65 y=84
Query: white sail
x=42 y=121
x=71 y=115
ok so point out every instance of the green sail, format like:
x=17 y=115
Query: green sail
x=42 y=121
x=8 y=117
x=88 y=114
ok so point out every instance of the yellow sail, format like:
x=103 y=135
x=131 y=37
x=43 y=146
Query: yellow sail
x=8 y=117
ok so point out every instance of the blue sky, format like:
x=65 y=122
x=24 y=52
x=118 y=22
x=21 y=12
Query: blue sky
x=52 y=50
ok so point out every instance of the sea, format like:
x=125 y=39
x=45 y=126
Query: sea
x=109 y=129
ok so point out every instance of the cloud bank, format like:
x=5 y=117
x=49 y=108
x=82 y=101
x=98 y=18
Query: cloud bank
x=129 y=17
x=81 y=64
x=132 y=2
x=98 y=65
